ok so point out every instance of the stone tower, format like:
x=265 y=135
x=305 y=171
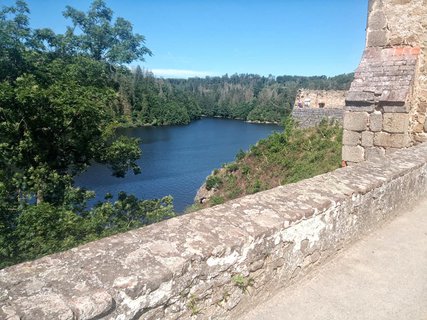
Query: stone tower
x=386 y=105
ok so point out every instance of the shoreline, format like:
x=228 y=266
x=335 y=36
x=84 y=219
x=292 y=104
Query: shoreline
x=132 y=125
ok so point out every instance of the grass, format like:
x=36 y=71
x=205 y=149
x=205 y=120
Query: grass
x=282 y=158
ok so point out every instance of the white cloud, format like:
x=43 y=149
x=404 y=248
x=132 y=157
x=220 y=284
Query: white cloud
x=180 y=73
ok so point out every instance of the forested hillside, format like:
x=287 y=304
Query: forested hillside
x=151 y=101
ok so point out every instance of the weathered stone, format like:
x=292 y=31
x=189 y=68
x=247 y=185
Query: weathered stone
x=360 y=108
x=44 y=306
x=308 y=117
x=376 y=121
x=353 y=153
x=396 y=122
x=359 y=98
x=203 y=252
x=391 y=140
x=97 y=304
x=421 y=137
x=315 y=99
x=374 y=153
x=396 y=109
x=377 y=38
x=356 y=121
x=351 y=138
x=425 y=125
x=393 y=97
x=401 y=1
x=367 y=139
x=418 y=127
x=377 y=20
x=389 y=151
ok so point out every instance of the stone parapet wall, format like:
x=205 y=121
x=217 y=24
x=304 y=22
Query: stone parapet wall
x=312 y=117
x=218 y=262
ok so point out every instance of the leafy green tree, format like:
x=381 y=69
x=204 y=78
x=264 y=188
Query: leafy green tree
x=58 y=114
x=102 y=39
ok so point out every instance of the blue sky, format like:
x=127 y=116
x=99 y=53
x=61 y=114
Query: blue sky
x=214 y=37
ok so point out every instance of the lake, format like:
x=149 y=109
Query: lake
x=177 y=159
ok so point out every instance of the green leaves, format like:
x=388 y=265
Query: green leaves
x=122 y=154
x=59 y=101
x=101 y=39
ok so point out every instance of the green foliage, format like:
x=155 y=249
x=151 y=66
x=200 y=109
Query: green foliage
x=215 y=200
x=213 y=181
x=60 y=97
x=256 y=187
x=287 y=157
x=100 y=39
x=46 y=228
x=232 y=167
x=192 y=305
x=242 y=282
x=240 y=155
x=252 y=97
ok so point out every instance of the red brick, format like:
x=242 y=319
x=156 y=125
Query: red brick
x=407 y=50
x=399 y=51
x=416 y=51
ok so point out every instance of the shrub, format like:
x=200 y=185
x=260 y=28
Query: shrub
x=213 y=182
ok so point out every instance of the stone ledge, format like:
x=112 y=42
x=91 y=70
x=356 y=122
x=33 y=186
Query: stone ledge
x=185 y=266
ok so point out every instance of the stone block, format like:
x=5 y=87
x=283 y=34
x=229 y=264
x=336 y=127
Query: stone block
x=421 y=137
x=422 y=107
x=353 y=153
x=391 y=140
x=377 y=20
x=377 y=38
x=401 y=1
x=396 y=122
x=351 y=138
x=374 y=153
x=359 y=108
x=356 y=121
x=425 y=125
x=390 y=151
x=418 y=128
x=394 y=96
x=359 y=98
x=367 y=139
x=376 y=121
x=396 y=109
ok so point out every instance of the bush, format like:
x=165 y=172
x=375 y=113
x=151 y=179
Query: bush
x=232 y=167
x=213 y=182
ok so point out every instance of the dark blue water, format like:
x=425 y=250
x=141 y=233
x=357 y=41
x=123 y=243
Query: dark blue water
x=177 y=159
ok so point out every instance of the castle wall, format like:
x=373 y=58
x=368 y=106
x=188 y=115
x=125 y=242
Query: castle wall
x=307 y=117
x=387 y=102
x=318 y=99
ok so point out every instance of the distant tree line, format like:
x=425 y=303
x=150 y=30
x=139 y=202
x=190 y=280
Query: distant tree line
x=153 y=101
